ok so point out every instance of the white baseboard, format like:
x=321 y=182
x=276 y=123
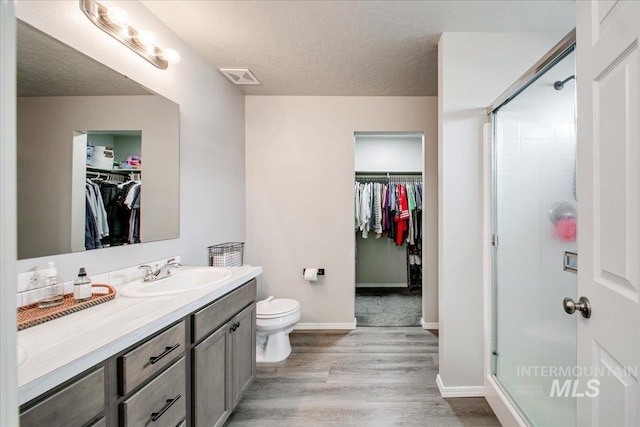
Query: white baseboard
x=326 y=326
x=506 y=412
x=429 y=325
x=382 y=285
x=458 y=391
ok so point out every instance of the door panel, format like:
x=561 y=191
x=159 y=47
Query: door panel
x=609 y=196
x=615 y=142
x=613 y=382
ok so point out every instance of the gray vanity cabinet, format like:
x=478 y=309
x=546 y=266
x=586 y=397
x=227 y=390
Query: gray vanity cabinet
x=160 y=403
x=243 y=352
x=194 y=372
x=100 y=423
x=211 y=363
x=74 y=405
x=149 y=358
x=223 y=368
x=224 y=362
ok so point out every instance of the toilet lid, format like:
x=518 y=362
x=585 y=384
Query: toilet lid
x=276 y=307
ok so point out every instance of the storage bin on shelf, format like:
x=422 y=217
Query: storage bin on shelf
x=100 y=157
x=229 y=254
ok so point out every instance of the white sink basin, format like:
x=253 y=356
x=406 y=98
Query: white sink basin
x=22 y=355
x=184 y=279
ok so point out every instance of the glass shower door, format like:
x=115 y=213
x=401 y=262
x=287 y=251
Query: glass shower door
x=536 y=218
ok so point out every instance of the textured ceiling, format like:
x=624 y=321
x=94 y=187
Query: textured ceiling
x=47 y=67
x=345 y=47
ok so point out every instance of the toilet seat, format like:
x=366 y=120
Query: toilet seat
x=272 y=308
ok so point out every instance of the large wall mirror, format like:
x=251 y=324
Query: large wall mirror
x=98 y=154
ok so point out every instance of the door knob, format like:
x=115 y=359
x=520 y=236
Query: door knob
x=583 y=306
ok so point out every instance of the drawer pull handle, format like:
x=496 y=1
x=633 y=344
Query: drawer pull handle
x=234 y=327
x=166 y=351
x=155 y=416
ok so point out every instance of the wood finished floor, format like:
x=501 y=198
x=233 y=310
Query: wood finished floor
x=368 y=377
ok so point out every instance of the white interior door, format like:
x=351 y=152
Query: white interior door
x=608 y=197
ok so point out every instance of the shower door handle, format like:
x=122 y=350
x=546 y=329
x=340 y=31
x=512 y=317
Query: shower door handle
x=583 y=306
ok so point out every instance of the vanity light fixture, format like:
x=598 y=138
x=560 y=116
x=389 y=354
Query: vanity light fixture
x=118 y=17
x=115 y=21
x=170 y=55
x=146 y=39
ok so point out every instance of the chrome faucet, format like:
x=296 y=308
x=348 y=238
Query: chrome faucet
x=151 y=274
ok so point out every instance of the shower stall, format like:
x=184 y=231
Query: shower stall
x=534 y=225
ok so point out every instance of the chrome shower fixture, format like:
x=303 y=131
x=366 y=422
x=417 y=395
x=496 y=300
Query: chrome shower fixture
x=559 y=85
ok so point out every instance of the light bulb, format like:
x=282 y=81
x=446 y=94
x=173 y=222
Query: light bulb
x=118 y=16
x=170 y=55
x=146 y=38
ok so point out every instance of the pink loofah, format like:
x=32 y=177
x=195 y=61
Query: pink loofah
x=566 y=229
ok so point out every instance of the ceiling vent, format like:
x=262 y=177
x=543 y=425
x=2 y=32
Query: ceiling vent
x=240 y=76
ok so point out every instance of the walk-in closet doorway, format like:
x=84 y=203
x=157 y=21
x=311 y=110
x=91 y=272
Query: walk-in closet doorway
x=389 y=224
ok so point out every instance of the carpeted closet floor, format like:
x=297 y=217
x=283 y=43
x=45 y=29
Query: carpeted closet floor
x=388 y=306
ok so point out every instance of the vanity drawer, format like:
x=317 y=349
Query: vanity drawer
x=211 y=317
x=74 y=405
x=160 y=403
x=100 y=423
x=151 y=357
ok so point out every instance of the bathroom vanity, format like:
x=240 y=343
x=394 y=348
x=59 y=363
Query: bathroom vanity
x=176 y=360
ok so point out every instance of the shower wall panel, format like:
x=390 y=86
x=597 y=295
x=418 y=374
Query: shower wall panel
x=536 y=224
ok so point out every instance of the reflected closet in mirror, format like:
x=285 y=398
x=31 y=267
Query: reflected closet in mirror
x=84 y=132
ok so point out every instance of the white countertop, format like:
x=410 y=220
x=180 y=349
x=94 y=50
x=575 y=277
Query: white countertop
x=63 y=348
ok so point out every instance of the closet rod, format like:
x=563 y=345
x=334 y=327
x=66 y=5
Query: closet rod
x=110 y=176
x=389 y=176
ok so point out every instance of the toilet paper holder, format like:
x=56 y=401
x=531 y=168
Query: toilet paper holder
x=320 y=271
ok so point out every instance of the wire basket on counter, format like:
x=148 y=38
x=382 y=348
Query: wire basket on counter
x=229 y=254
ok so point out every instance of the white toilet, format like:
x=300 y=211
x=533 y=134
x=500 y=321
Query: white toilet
x=275 y=319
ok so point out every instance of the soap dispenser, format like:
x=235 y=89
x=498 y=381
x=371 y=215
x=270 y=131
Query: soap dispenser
x=52 y=294
x=82 y=287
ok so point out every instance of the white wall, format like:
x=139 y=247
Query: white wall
x=473 y=70
x=389 y=153
x=300 y=170
x=211 y=134
x=8 y=371
x=127 y=145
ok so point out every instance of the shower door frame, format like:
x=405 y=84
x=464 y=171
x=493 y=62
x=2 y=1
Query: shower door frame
x=559 y=52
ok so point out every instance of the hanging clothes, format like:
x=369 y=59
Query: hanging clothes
x=383 y=207
x=365 y=209
x=412 y=207
x=113 y=211
x=91 y=233
x=132 y=201
x=96 y=226
x=377 y=202
x=357 y=205
x=393 y=209
x=402 y=214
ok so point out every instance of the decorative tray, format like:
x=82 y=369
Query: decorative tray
x=32 y=315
